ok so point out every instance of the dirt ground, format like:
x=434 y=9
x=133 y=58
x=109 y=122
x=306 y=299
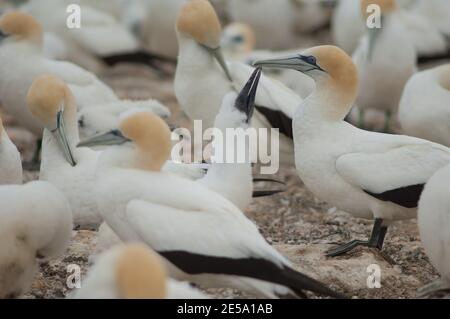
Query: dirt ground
x=298 y=224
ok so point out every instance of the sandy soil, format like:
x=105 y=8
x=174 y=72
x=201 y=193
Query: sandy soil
x=298 y=224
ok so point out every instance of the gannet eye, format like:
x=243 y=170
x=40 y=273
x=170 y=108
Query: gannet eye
x=310 y=59
x=81 y=122
x=238 y=39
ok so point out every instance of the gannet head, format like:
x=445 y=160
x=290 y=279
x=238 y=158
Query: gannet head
x=140 y=274
x=328 y=65
x=49 y=99
x=386 y=7
x=199 y=21
x=20 y=26
x=147 y=131
x=238 y=38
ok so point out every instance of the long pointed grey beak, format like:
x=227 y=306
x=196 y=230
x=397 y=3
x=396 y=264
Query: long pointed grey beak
x=373 y=37
x=297 y=62
x=60 y=135
x=218 y=55
x=114 y=137
x=245 y=101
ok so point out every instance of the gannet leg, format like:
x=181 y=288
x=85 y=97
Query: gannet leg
x=376 y=241
x=35 y=162
x=439 y=285
x=361 y=121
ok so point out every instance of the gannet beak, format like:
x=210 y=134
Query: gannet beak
x=60 y=134
x=2 y=36
x=218 y=55
x=373 y=36
x=297 y=62
x=114 y=137
x=245 y=102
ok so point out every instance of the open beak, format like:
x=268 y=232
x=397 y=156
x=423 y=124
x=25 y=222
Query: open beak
x=245 y=101
x=110 y=138
x=295 y=62
x=218 y=55
x=60 y=134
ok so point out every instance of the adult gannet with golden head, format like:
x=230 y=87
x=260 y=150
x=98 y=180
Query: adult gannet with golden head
x=70 y=169
x=434 y=223
x=200 y=58
x=384 y=53
x=10 y=163
x=425 y=105
x=22 y=60
x=370 y=175
x=141 y=203
x=132 y=272
x=36 y=222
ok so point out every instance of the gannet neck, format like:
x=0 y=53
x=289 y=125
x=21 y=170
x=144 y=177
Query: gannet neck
x=444 y=76
x=193 y=58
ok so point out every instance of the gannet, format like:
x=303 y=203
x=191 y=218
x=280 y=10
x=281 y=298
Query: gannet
x=434 y=224
x=199 y=33
x=132 y=272
x=347 y=27
x=10 y=162
x=70 y=169
x=425 y=105
x=436 y=11
x=35 y=222
x=142 y=204
x=22 y=60
x=370 y=175
x=384 y=53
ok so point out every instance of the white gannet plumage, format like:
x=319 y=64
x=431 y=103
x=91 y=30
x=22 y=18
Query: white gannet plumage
x=370 y=175
x=425 y=105
x=132 y=272
x=10 y=162
x=36 y=222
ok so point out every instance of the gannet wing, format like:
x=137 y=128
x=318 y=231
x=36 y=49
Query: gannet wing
x=397 y=175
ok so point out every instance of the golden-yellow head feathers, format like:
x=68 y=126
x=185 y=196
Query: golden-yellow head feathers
x=386 y=6
x=199 y=20
x=47 y=96
x=152 y=137
x=21 y=26
x=140 y=274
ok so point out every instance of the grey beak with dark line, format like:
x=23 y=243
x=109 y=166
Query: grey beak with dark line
x=218 y=55
x=302 y=63
x=114 y=137
x=60 y=134
x=245 y=101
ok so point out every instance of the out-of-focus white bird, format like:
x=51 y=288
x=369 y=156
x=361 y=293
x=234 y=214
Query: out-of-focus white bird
x=384 y=53
x=434 y=225
x=10 y=163
x=370 y=175
x=201 y=59
x=141 y=203
x=36 y=222
x=133 y=272
x=436 y=11
x=70 y=169
x=22 y=59
x=238 y=44
x=425 y=105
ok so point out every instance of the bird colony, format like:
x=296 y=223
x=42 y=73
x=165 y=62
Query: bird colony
x=349 y=101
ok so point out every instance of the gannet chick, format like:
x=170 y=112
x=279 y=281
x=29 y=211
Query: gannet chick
x=132 y=272
x=10 y=162
x=36 y=222
x=199 y=34
x=141 y=203
x=22 y=33
x=370 y=175
x=70 y=169
x=425 y=105
x=434 y=223
x=384 y=53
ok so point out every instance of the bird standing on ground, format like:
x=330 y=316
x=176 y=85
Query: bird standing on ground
x=36 y=222
x=425 y=105
x=132 y=272
x=141 y=203
x=10 y=163
x=370 y=175
x=434 y=225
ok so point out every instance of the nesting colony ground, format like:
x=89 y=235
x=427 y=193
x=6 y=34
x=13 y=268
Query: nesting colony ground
x=295 y=222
